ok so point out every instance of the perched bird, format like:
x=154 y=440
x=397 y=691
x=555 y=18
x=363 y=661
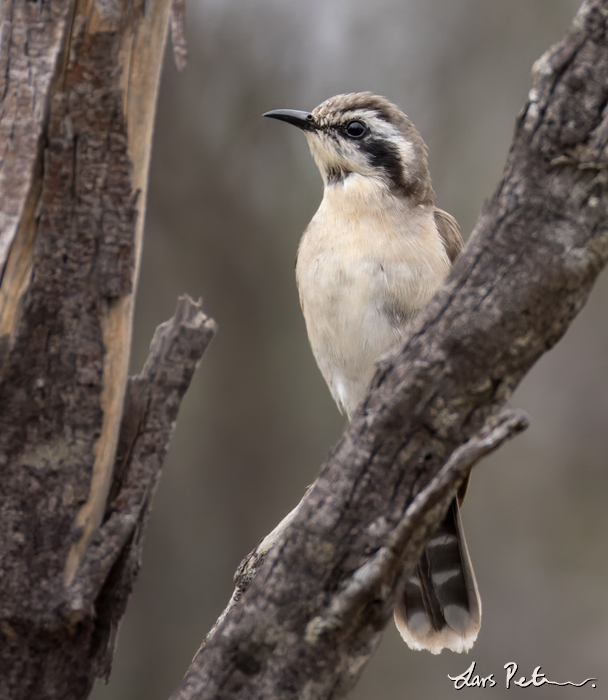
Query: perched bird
x=372 y=257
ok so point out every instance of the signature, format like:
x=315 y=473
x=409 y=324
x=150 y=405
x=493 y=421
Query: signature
x=470 y=679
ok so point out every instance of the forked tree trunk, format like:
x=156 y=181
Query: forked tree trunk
x=80 y=82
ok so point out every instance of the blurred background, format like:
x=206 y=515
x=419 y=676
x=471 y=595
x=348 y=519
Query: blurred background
x=230 y=194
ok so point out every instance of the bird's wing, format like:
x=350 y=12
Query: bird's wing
x=449 y=232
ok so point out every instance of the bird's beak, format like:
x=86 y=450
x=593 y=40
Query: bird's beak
x=303 y=120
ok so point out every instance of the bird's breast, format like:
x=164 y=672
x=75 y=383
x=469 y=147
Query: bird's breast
x=363 y=271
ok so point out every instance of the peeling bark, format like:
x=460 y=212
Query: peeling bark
x=78 y=95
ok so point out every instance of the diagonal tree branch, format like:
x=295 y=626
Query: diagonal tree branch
x=536 y=251
x=406 y=542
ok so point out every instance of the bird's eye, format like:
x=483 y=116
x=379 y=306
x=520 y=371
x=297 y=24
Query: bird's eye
x=355 y=129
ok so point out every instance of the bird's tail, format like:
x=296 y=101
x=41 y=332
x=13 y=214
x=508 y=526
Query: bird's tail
x=440 y=607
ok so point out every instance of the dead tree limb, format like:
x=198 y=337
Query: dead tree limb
x=537 y=248
x=78 y=463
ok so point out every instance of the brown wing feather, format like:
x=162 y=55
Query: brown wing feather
x=450 y=233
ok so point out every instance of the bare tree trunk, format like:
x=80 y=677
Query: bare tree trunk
x=78 y=94
x=312 y=601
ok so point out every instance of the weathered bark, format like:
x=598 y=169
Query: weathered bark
x=78 y=97
x=308 y=612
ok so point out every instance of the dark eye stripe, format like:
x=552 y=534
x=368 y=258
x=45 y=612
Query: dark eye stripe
x=384 y=155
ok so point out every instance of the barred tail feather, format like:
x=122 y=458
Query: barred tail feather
x=440 y=607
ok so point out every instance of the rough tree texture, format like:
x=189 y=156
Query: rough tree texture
x=79 y=86
x=304 y=624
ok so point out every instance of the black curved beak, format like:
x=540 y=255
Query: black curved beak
x=303 y=120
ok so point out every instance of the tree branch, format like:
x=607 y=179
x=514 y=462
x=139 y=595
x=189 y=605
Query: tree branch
x=406 y=542
x=178 y=33
x=537 y=248
x=153 y=398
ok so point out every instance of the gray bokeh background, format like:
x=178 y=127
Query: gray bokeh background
x=230 y=194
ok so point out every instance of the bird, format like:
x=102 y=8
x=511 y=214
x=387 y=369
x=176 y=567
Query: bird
x=371 y=258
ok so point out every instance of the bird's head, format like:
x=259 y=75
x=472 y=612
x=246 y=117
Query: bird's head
x=362 y=134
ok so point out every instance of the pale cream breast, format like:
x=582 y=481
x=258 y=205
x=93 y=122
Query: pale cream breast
x=367 y=263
